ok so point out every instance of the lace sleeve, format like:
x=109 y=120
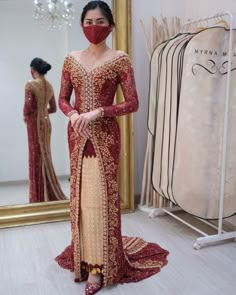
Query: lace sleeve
x=29 y=106
x=66 y=88
x=128 y=86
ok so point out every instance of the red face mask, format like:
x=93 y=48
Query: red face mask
x=96 y=34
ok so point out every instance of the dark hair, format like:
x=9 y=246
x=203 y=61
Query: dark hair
x=106 y=11
x=40 y=66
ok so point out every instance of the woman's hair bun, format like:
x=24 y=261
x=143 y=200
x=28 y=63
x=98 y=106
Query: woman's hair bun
x=40 y=65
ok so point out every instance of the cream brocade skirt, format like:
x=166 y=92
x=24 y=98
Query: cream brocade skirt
x=140 y=260
x=91 y=222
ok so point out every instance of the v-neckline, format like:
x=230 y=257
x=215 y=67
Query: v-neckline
x=98 y=66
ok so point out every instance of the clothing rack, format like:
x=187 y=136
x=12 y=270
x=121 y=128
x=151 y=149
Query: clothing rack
x=221 y=235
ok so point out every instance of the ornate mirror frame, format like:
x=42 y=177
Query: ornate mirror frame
x=28 y=214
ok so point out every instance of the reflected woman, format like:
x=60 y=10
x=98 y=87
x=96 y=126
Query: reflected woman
x=98 y=253
x=39 y=103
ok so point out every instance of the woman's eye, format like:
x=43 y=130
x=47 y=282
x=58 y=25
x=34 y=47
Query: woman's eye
x=89 y=23
x=101 y=22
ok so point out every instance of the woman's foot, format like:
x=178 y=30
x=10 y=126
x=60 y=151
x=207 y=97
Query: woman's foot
x=93 y=285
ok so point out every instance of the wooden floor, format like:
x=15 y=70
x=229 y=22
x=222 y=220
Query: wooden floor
x=27 y=266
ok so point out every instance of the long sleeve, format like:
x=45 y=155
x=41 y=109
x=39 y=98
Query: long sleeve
x=66 y=89
x=29 y=100
x=52 y=105
x=128 y=86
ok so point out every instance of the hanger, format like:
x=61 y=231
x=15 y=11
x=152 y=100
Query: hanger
x=223 y=22
x=201 y=27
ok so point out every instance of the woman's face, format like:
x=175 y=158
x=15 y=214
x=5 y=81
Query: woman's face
x=95 y=17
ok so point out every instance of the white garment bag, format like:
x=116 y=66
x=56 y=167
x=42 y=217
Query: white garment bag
x=170 y=59
x=199 y=140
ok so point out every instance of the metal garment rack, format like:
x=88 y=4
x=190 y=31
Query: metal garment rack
x=221 y=235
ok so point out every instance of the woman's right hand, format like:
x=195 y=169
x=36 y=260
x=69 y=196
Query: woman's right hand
x=73 y=119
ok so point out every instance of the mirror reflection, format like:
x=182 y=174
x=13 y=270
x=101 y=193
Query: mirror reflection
x=23 y=40
x=39 y=104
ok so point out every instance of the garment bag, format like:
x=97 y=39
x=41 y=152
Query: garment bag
x=155 y=74
x=161 y=138
x=199 y=141
x=154 y=85
x=174 y=61
x=154 y=68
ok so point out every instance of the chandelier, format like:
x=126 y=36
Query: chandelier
x=54 y=14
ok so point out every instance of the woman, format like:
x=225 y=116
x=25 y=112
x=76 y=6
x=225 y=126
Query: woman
x=43 y=183
x=98 y=251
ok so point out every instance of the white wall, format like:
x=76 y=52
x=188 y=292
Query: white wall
x=185 y=9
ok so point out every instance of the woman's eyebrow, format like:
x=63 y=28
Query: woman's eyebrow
x=100 y=18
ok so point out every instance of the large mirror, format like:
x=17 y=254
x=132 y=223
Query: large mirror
x=23 y=39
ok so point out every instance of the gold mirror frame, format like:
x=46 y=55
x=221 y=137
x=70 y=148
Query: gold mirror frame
x=28 y=214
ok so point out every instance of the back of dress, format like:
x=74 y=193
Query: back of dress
x=39 y=103
x=43 y=92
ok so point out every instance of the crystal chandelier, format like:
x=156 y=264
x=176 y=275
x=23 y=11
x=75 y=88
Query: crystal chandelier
x=55 y=14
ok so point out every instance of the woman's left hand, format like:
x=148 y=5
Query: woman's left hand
x=84 y=119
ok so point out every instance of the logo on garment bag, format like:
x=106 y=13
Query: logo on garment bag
x=211 y=66
x=212 y=52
